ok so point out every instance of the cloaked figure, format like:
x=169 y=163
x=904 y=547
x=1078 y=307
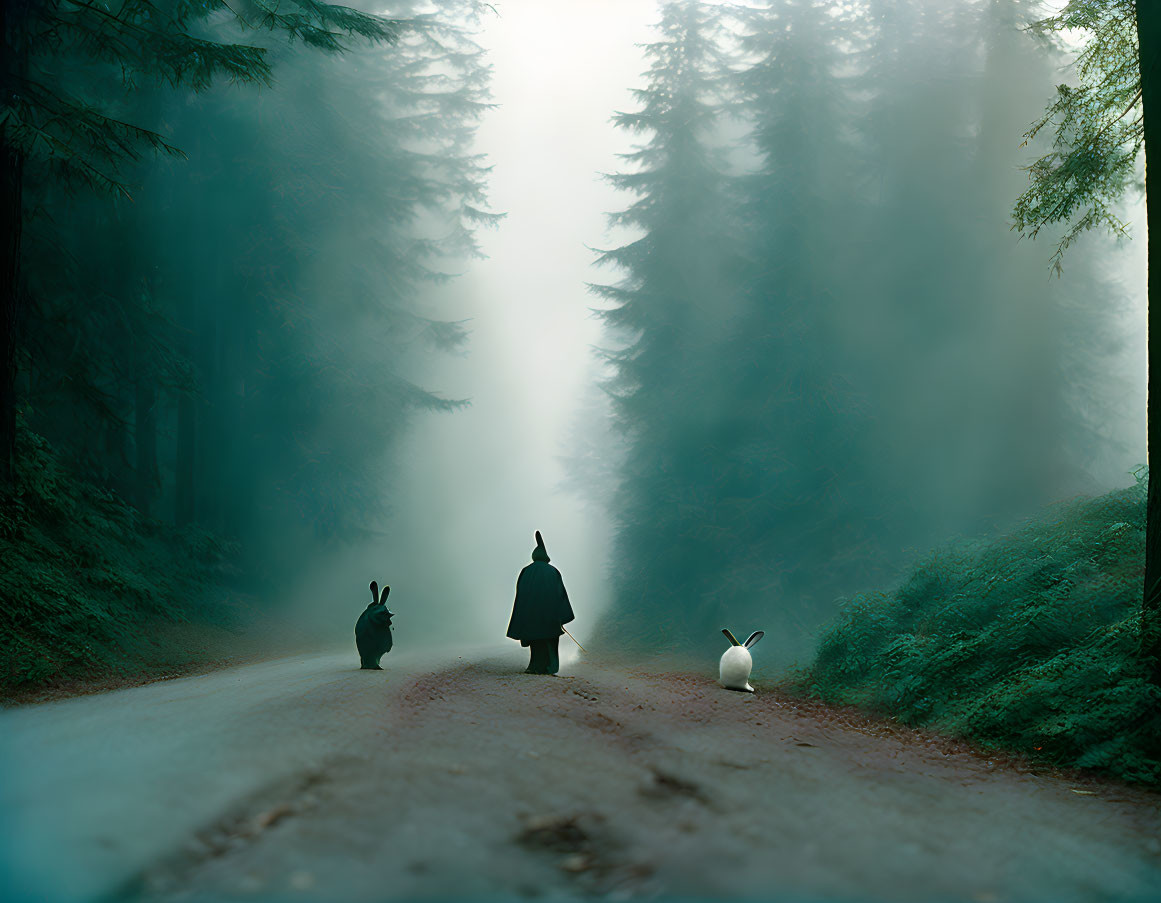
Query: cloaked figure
x=540 y=611
x=373 y=630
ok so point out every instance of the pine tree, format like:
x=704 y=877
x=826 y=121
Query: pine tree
x=876 y=368
x=1100 y=127
x=55 y=126
x=1004 y=408
x=243 y=329
x=674 y=313
x=810 y=528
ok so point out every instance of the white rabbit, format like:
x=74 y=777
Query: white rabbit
x=736 y=662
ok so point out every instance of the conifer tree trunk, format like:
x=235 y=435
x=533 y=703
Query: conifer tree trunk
x=145 y=440
x=211 y=439
x=184 y=467
x=10 y=203
x=118 y=473
x=15 y=65
x=1149 y=37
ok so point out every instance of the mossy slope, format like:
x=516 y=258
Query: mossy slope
x=1025 y=642
x=85 y=581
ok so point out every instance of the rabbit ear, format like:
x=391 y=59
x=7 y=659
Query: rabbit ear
x=730 y=637
x=754 y=637
x=374 y=591
x=383 y=598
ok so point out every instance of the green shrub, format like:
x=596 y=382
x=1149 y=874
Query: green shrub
x=84 y=575
x=1026 y=642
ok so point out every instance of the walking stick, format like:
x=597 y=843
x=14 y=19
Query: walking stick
x=565 y=629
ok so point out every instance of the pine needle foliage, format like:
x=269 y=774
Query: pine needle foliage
x=1097 y=127
x=49 y=116
x=1026 y=642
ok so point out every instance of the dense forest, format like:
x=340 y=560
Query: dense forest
x=829 y=352
x=225 y=221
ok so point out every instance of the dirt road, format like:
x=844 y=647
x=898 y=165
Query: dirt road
x=461 y=777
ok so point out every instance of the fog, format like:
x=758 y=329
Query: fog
x=536 y=448
x=722 y=300
x=475 y=484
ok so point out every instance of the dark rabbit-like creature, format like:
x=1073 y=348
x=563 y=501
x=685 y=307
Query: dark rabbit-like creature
x=373 y=630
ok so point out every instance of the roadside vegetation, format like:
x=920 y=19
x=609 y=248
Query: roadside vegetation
x=94 y=589
x=1027 y=642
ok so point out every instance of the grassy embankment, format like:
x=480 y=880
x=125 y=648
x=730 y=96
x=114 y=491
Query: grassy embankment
x=93 y=595
x=1026 y=642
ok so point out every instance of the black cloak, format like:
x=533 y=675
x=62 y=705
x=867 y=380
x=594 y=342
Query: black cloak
x=541 y=606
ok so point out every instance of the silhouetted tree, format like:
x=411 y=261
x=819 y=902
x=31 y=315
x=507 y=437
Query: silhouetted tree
x=676 y=315
x=60 y=54
x=1100 y=127
x=227 y=337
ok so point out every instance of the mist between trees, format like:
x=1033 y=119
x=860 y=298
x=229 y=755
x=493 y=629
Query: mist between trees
x=827 y=351
x=228 y=343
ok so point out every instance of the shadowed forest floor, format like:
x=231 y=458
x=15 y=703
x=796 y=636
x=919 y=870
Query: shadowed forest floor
x=475 y=780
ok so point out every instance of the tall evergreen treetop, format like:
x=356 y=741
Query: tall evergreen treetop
x=69 y=78
x=60 y=122
x=672 y=311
